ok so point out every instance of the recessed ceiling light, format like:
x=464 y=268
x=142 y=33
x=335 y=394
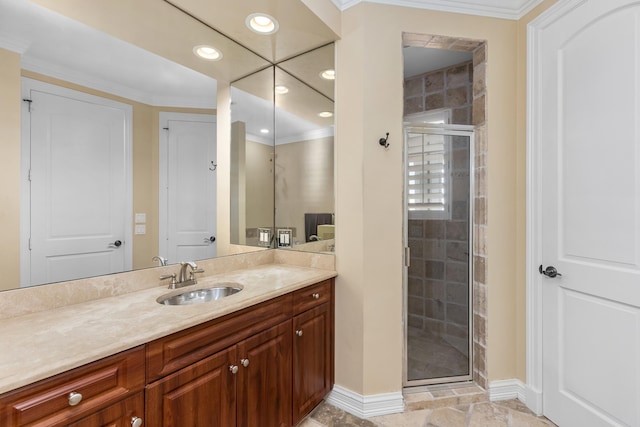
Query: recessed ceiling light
x=325 y=114
x=281 y=90
x=262 y=23
x=329 y=74
x=264 y=130
x=207 y=52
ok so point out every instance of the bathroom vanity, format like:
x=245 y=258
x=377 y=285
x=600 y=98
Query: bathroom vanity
x=263 y=356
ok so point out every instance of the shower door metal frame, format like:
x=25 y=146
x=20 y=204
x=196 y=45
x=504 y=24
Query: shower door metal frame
x=447 y=130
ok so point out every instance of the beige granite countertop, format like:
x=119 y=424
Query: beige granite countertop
x=38 y=345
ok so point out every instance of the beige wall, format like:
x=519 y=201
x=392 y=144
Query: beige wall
x=259 y=181
x=10 y=110
x=369 y=190
x=304 y=180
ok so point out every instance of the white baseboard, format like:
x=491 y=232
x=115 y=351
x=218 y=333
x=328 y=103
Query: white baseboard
x=366 y=406
x=507 y=389
x=516 y=389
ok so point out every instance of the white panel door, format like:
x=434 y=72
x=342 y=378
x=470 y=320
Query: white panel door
x=589 y=145
x=188 y=187
x=78 y=187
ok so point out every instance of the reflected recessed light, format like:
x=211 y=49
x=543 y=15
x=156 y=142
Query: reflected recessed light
x=207 y=52
x=262 y=23
x=264 y=130
x=325 y=114
x=329 y=74
x=281 y=90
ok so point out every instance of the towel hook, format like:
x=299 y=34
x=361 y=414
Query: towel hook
x=384 y=142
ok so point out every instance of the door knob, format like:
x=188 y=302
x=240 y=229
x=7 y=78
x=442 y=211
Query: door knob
x=550 y=271
x=136 y=422
x=115 y=244
x=210 y=239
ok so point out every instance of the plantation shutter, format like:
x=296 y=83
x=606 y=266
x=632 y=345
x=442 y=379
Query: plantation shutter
x=427 y=176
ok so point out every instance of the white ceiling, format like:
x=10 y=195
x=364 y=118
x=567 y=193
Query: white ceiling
x=54 y=45
x=509 y=9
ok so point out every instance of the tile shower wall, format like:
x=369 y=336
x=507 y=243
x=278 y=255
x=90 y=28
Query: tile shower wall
x=438 y=276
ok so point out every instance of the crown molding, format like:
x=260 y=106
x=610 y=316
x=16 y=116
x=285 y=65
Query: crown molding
x=114 y=88
x=456 y=6
x=12 y=43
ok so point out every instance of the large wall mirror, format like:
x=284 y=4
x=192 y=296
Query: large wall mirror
x=114 y=51
x=289 y=149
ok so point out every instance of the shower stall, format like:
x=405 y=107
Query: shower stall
x=438 y=207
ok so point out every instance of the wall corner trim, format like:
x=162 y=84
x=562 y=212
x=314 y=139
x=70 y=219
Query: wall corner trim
x=516 y=389
x=366 y=406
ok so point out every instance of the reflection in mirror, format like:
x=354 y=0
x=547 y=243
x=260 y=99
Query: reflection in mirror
x=304 y=173
x=298 y=156
x=51 y=48
x=252 y=141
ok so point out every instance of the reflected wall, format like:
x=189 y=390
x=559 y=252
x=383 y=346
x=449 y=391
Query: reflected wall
x=282 y=140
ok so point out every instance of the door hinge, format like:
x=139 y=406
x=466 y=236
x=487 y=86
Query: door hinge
x=29 y=243
x=29 y=101
x=407 y=257
x=29 y=175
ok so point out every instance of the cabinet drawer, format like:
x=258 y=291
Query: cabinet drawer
x=96 y=385
x=311 y=296
x=121 y=414
x=176 y=351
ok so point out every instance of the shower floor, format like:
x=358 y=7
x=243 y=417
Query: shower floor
x=431 y=356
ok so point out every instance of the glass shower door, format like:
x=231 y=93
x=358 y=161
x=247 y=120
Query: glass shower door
x=438 y=279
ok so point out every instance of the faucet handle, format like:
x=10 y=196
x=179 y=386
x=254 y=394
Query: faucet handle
x=192 y=275
x=173 y=283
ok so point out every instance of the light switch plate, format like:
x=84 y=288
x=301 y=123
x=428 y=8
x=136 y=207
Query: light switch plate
x=141 y=218
x=141 y=229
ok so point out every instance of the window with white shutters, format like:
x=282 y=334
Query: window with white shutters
x=428 y=177
x=428 y=163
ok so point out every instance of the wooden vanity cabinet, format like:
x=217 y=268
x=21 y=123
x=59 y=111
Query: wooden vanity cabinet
x=202 y=394
x=313 y=338
x=268 y=375
x=264 y=378
x=97 y=387
x=121 y=414
x=264 y=366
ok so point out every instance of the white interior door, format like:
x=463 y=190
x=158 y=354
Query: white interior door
x=589 y=171
x=188 y=186
x=79 y=193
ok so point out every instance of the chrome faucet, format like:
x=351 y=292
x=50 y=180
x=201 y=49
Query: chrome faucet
x=162 y=260
x=182 y=279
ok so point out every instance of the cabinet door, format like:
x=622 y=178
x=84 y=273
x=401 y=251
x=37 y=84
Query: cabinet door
x=202 y=394
x=312 y=359
x=121 y=414
x=264 y=379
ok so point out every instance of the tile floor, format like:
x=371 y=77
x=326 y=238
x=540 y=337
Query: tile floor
x=508 y=413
